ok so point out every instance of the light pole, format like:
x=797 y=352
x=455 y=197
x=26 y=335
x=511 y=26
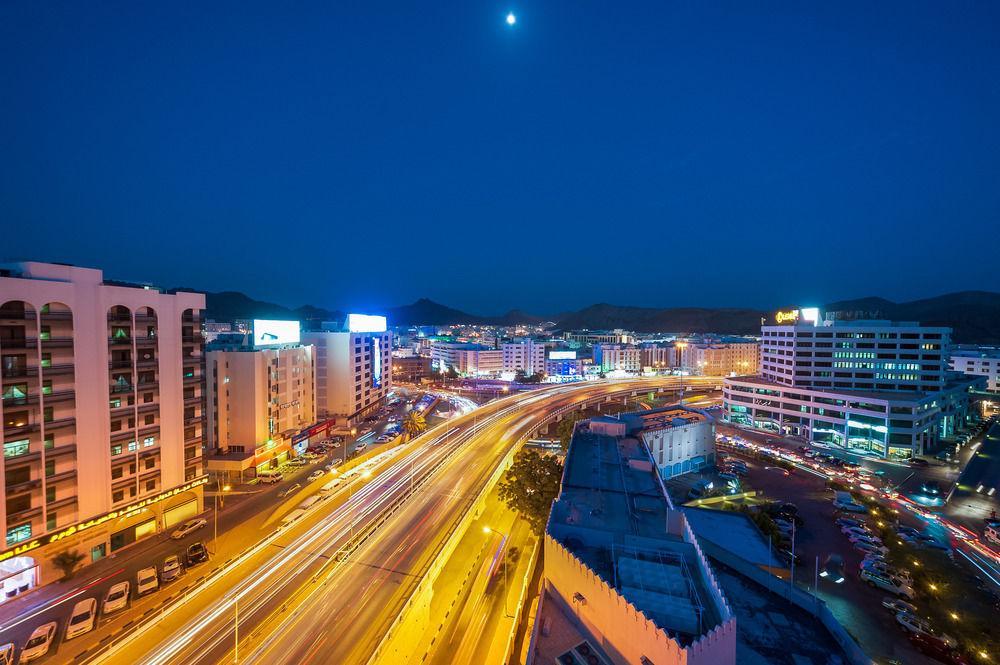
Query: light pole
x=215 y=518
x=506 y=590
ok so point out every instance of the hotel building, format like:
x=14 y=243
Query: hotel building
x=618 y=357
x=259 y=399
x=102 y=415
x=660 y=356
x=353 y=368
x=466 y=359
x=523 y=355
x=876 y=387
x=719 y=358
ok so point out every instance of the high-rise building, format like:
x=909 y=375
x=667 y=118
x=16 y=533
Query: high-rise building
x=102 y=415
x=260 y=396
x=353 y=367
x=524 y=355
x=618 y=357
x=874 y=386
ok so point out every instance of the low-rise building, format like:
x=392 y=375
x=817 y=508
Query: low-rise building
x=466 y=359
x=625 y=580
x=410 y=368
x=524 y=355
x=979 y=361
x=618 y=358
x=680 y=439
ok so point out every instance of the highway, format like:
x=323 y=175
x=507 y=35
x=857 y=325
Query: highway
x=327 y=587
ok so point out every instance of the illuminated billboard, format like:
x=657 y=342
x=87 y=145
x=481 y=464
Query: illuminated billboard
x=267 y=332
x=377 y=360
x=562 y=355
x=365 y=323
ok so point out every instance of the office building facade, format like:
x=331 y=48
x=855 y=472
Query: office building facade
x=618 y=358
x=719 y=358
x=983 y=361
x=102 y=415
x=523 y=355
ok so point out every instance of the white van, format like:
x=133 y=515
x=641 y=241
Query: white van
x=269 y=477
x=82 y=619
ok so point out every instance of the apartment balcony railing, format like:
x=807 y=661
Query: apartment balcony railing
x=120 y=341
x=60 y=477
x=62 y=503
x=22 y=486
x=120 y=364
x=193 y=419
x=14 y=430
x=18 y=343
x=53 y=370
x=25 y=458
x=19 y=372
x=60 y=396
x=194 y=378
x=62 y=315
x=59 y=423
x=24 y=515
x=119 y=389
x=57 y=342
x=19 y=401
x=59 y=451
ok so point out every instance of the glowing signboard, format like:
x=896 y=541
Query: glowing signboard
x=267 y=332
x=377 y=360
x=810 y=314
x=365 y=323
x=791 y=316
x=562 y=355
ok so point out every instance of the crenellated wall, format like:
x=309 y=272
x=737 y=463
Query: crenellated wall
x=623 y=631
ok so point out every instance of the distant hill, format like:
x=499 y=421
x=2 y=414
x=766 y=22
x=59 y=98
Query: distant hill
x=974 y=315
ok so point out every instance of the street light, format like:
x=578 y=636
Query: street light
x=506 y=589
x=215 y=519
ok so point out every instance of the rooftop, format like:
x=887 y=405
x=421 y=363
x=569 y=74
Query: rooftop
x=669 y=416
x=613 y=516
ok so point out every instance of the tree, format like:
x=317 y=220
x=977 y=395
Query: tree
x=564 y=430
x=67 y=561
x=413 y=424
x=530 y=486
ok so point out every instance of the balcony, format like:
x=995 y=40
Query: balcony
x=149 y=385
x=120 y=341
x=194 y=400
x=60 y=477
x=188 y=440
x=60 y=396
x=194 y=378
x=62 y=368
x=57 y=342
x=120 y=364
x=18 y=343
x=191 y=339
x=117 y=389
x=62 y=503
x=193 y=420
x=19 y=372
x=30 y=456
x=14 y=430
x=59 y=451
x=145 y=341
x=61 y=315
x=19 y=401
x=60 y=423
x=24 y=515
x=23 y=486
x=149 y=362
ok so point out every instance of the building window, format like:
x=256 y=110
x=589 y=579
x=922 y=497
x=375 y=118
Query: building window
x=115 y=403
x=46 y=360
x=50 y=522
x=150 y=485
x=150 y=462
x=48 y=414
x=149 y=418
x=117 y=472
x=50 y=441
x=117 y=496
x=149 y=441
x=16 y=391
x=50 y=468
x=116 y=449
x=133 y=446
x=15 y=448
x=47 y=387
x=50 y=494
x=18 y=534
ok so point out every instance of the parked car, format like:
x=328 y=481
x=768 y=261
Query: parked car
x=290 y=490
x=919 y=462
x=869 y=548
x=188 y=528
x=358 y=447
x=937 y=649
x=171 y=568
x=297 y=461
x=895 y=605
x=892 y=585
x=39 y=642
x=146 y=581
x=117 y=598
x=316 y=475
x=883 y=568
x=82 y=618
x=196 y=553
x=833 y=569
x=856 y=531
x=850 y=521
x=862 y=537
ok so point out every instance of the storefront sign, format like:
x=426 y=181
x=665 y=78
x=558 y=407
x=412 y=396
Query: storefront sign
x=127 y=511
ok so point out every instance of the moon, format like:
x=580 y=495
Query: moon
x=511 y=19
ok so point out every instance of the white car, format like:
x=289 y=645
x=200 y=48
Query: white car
x=82 y=619
x=858 y=537
x=117 y=598
x=358 y=447
x=290 y=490
x=188 y=527
x=316 y=475
x=883 y=568
x=870 y=549
x=890 y=584
x=146 y=581
x=39 y=642
x=895 y=605
x=848 y=530
x=911 y=623
x=171 y=568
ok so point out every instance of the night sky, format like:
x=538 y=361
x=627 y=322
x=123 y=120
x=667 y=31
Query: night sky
x=370 y=153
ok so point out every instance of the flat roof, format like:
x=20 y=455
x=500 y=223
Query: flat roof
x=673 y=415
x=612 y=515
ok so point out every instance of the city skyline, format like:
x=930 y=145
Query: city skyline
x=444 y=144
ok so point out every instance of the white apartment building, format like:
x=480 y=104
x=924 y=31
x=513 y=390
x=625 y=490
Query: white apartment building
x=659 y=356
x=876 y=387
x=466 y=359
x=983 y=361
x=719 y=358
x=353 y=368
x=618 y=357
x=524 y=355
x=258 y=400
x=102 y=416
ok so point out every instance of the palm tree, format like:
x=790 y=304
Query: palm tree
x=414 y=424
x=67 y=562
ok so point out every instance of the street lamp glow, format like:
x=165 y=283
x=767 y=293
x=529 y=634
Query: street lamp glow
x=511 y=19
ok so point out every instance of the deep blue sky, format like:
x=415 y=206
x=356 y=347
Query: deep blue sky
x=370 y=153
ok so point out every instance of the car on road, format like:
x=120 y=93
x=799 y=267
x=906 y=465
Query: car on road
x=731 y=477
x=890 y=584
x=171 y=568
x=146 y=581
x=316 y=475
x=937 y=649
x=297 y=461
x=931 y=488
x=358 y=447
x=188 y=528
x=82 y=619
x=116 y=599
x=919 y=462
x=833 y=569
x=39 y=642
x=290 y=490
x=196 y=553
x=895 y=605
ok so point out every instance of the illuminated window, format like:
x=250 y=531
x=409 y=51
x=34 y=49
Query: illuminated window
x=18 y=534
x=15 y=448
x=149 y=441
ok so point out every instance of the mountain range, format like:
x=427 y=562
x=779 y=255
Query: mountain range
x=974 y=315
